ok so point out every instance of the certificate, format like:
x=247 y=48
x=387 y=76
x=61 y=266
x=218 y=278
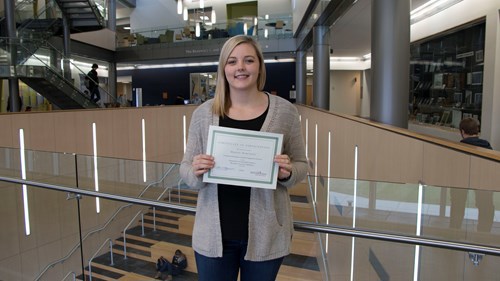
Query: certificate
x=243 y=157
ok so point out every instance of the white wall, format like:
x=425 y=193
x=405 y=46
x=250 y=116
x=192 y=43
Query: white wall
x=345 y=90
x=366 y=79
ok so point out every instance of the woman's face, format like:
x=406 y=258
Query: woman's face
x=242 y=68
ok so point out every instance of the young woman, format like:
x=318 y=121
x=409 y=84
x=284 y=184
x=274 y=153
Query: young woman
x=243 y=229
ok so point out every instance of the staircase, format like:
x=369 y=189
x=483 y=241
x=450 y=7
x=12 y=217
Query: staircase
x=54 y=87
x=33 y=33
x=83 y=15
x=173 y=231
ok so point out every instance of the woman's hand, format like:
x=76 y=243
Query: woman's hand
x=285 y=164
x=202 y=163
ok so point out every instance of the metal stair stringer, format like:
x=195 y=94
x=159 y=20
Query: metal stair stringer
x=54 y=87
x=83 y=15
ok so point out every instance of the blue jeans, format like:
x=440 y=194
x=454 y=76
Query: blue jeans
x=168 y=268
x=95 y=95
x=226 y=268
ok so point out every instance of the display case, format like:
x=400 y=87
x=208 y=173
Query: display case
x=446 y=76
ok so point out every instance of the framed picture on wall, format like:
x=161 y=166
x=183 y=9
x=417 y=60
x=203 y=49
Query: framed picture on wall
x=445 y=117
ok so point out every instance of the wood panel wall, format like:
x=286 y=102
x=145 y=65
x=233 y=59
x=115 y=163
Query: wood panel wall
x=385 y=154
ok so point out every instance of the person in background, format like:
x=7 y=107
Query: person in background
x=166 y=270
x=469 y=130
x=93 y=83
x=238 y=229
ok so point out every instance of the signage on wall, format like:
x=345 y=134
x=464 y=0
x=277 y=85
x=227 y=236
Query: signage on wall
x=204 y=51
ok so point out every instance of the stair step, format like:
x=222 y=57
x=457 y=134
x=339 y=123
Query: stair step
x=160 y=235
x=99 y=271
x=131 y=240
x=150 y=223
x=144 y=268
x=131 y=250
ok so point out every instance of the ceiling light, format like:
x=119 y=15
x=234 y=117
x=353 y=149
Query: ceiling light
x=197 y=31
x=431 y=8
x=185 y=13
x=202 y=4
x=213 y=16
x=179 y=7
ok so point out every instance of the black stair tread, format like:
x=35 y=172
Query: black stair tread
x=131 y=250
x=135 y=242
x=161 y=235
x=159 y=223
x=298 y=198
x=163 y=216
x=174 y=211
x=104 y=272
x=80 y=277
x=301 y=261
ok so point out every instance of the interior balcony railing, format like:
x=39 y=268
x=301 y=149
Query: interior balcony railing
x=346 y=229
x=272 y=27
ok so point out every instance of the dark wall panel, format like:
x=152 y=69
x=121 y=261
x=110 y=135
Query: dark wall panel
x=280 y=78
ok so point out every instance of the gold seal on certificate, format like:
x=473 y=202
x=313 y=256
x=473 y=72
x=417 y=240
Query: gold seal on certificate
x=243 y=157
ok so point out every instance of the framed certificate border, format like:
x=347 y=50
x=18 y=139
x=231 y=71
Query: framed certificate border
x=243 y=157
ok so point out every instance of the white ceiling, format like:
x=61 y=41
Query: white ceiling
x=351 y=35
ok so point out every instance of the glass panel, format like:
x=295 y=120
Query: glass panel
x=462 y=215
x=51 y=168
x=126 y=177
x=10 y=166
x=53 y=232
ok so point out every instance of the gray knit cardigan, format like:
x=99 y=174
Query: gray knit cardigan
x=270 y=223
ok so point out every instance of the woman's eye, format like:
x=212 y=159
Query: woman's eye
x=249 y=60
x=231 y=62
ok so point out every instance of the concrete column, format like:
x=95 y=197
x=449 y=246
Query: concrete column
x=112 y=81
x=321 y=71
x=390 y=62
x=14 y=100
x=67 y=48
x=112 y=15
x=301 y=77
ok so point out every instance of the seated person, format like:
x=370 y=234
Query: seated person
x=164 y=267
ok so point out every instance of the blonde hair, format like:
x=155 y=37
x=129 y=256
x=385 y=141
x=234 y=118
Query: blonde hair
x=222 y=99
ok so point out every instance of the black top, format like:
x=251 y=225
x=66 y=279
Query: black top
x=234 y=201
x=94 y=79
x=477 y=142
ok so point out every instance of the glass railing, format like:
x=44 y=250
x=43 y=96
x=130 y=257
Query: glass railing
x=414 y=210
x=276 y=26
x=58 y=219
x=361 y=230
